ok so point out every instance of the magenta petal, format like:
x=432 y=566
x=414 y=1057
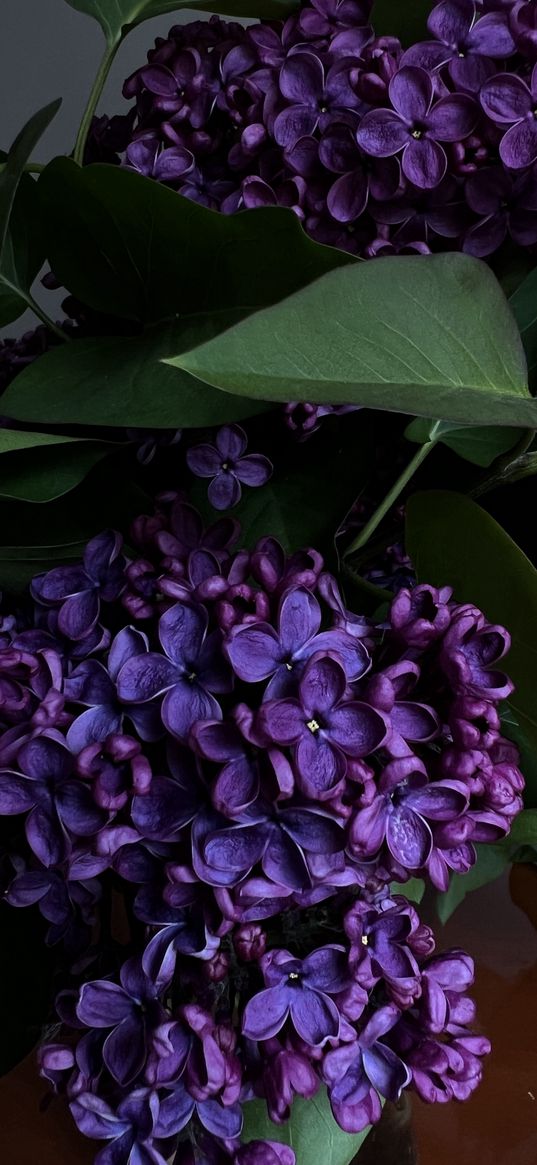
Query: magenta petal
x=424 y=163
x=411 y=92
x=265 y=1014
x=506 y=98
x=382 y=133
x=315 y=1017
x=518 y=148
x=409 y=838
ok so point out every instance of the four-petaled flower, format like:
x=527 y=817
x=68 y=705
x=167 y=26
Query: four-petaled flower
x=509 y=101
x=228 y=464
x=465 y=41
x=416 y=125
x=299 y=990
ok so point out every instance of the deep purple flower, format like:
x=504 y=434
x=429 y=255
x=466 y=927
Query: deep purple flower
x=287 y=1074
x=506 y=205
x=178 y=1107
x=401 y=814
x=227 y=463
x=324 y=727
x=54 y=800
x=466 y=41
x=355 y=1070
x=259 y=651
x=76 y=591
x=509 y=101
x=264 y=1153
x=93 y=685
x=187 y=675
x=315 y=97
x=132 y=1010
x=471 y=648
x=129 y=1129
x=360 y=176
x=422 y=615
x=299 y=990
x=416 y=126
x=523 y=25
x=171 y=165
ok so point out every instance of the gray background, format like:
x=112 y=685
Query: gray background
x=49 y=50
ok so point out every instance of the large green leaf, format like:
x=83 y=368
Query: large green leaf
x=480 y=445
x=407 y=20
x=524 y=305
x=452 y=540
x=413 y=334
x=21 y=252
x=312 y=1131
x=122 y=382
x=56 y=464
x=130 y=247
x=116 y=17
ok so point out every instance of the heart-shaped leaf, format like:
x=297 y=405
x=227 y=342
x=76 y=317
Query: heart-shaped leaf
x=524 y=305
x=116 y=17
x=312 y=1131
x=480 y=445
x=130 y=247
x=398 y=334
x=122 y=382
x=451 y=540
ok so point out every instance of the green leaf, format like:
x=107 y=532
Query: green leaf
x=480 y=445
x=414 y=889
x=56 y=465
x=524 y=306
x=21 y=247
x=524 y=830
x=492 y=860
x=130 y=247
x=122 y=382
x=312 y=1131
x=451 y=540
x=408 y=21
x=116 y=17
x=414 y=335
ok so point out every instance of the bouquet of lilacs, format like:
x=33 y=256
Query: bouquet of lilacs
x=229 y=765
x=212 y=736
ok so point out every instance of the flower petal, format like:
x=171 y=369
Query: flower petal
x=204 y=460
x=302 y=78
x=103 y=1004
x=409 y=838
x=518 y=147
x=254 y=651
x=145 y=676
x=453 y=118
x=182 y=629
x=506 y=98
x=411 y=93
x=265 y=1014
x=231 y=442
x=382 y=133
x=315 y=1016
x=224 y=490
x=124 y=1050
x=185 y=703
x=424 y=163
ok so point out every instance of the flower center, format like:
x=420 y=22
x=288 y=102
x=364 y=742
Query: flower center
x=365 y=940
x=293 y=977
x=226 y=466
x=417 y=134
x=323 y=108
x=313 y=726
x=289 y=666
x=191 y=677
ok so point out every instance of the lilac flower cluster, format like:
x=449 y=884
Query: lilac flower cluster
x=376 y=149
x=207 y=738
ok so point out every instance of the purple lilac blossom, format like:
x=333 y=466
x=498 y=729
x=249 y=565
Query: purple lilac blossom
x=318 y=114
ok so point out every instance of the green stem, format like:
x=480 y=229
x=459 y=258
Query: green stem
x=365 y=534
x=513 y=466
x=93 y=101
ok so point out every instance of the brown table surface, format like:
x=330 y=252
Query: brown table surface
x=498 y=925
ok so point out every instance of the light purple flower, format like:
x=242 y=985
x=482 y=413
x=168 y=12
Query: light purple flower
x=131 y=1009
x=355 y=1070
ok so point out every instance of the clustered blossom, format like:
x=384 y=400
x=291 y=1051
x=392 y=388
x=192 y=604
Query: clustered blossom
x=377 y=150
x=208 y=736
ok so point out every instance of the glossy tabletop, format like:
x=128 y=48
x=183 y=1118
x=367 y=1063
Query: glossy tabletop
x=498 y=925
